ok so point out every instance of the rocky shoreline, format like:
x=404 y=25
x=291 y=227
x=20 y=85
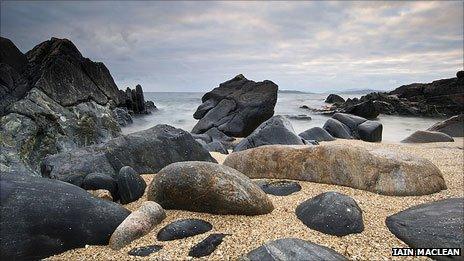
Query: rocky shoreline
x=73 y=187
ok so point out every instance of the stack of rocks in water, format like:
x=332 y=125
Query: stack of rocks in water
x=135 y=101
x=52 y=99
x=235 y=109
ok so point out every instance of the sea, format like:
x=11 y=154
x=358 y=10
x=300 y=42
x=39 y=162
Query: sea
x=177 y=108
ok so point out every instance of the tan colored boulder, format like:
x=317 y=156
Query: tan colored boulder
x=137 y=224
x=377 y=170
x=101 y=193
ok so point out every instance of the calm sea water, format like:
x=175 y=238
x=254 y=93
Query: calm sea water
x=177 y=108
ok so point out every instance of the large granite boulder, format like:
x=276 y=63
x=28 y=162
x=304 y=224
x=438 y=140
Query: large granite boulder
x=453 y=126
x=377 y=170
x=317 y=134
x=42 y=217
x=236 y=107
x=334 y=98
x=331 y=213
x=207 y=187
x=437 y=224
x=427 y=136
x=289 y=249
x=276 y=130
x=146 y=151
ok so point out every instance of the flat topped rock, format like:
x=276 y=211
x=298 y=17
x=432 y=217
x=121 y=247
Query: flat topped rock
x=207 y=245
x=183 y=228
x=437 y=224
x=331 y=213
x=279 y=188
x=427 y=136
x=145 y=250
x=290 y=249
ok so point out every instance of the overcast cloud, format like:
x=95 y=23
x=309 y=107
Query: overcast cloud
x=309 y=46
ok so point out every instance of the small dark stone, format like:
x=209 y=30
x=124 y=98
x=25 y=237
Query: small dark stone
x=96 y=180
x=331 y=213
x=279 y=188
x=207 y=245
x=183 y=228
x=145 y=250
x=130 y=185
x=317 y=134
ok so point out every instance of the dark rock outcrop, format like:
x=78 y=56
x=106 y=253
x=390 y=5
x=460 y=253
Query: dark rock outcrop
x=331 y=213
x=453 y=126
x=134 y=100
x=236 y=107
x=42 y=217
x=288 y=249
x=207 y=245
x=334 y=98
x=130 y=185
x=207 y=187
x=276 y=130
x=146 y=151
x=431 y=225
x=183 y=228
x=427 y=136
x=317 y=134
x=436 y=99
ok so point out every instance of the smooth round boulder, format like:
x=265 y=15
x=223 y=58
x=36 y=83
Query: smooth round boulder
x=350 y=120
x=130 y=185
x=317 y=134
x=96 y=181
x=279 y=188
x=427 y=137
x=276 y=130
x=453 y=126
x=43 y=217
x=207 y=245
x=331 y=213
x=207 y=187
x=334 y=98
x=436 y=224
x=137 y=224
x=183 y=228
x=370 y=131
x=337 y=129
x=290 y=249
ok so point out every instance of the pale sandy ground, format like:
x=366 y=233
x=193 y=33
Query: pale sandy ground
x=249 y=232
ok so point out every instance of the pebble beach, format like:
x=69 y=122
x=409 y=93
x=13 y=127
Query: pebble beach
x=246 y=233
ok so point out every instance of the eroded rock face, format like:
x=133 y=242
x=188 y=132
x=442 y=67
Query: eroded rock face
x=276 y=130
x=453 y=126
x=146 y=151
x=288 y=249
x=331 y=213
x=377 y=170
x=436 y=225
x=207 y=187
x=42 y=217
x=427 y=136
x=236 y=107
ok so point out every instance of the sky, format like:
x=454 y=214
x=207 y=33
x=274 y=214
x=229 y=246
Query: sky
x=309 y=46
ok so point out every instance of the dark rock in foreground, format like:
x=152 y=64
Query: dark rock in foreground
x=317 y=134
x=42 y=217
x=207 y=245
x=438 y=224
x=453 y=126
x=183 y=228
x=331 y=213
x=145 y=250
x=334 y=98
x=95 y=181
x=207 y=187
x=236 y=107
x=427 y=136
x=146 y=151
x=130 y=185
x=279 y=188
x=276 y=130
x=289 y=249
